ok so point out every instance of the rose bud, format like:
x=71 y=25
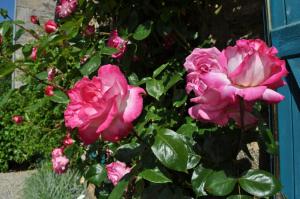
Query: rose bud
x=18 y=119
x=33 y=55
x=34 y=19
x=89 y=30
x=51 y=74
x=68 y=140
x=118 y=43
x=1 y=39
x=49 y=90
x=116 y=171
x=50 y=26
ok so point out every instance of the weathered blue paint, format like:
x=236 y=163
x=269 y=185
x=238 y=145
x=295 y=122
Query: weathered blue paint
x=285 y=35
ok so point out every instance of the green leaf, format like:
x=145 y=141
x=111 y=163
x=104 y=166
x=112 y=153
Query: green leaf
x=193 y=158
x=170 y=149
x=179 y=97
x=18 y=34
x=7 y=68
x=154 y=175
x=159 y=70
x=239 y=197
x=118 y=191
x=92 y=65
x=133 y=79
x=199 y=178
x=174 y=79
x=219 y=184
x=108 y=51
x=71 y=27
x=143 y=31
x=187 y=129
x=155 y=88
x=59 y=97
x=127 y=152
x=96 y=174
x=260 y=183
x=42 y=75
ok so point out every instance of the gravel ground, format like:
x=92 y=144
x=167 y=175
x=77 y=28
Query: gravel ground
x=11 y=184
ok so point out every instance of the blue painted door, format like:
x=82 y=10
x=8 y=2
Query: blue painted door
x=284 y=28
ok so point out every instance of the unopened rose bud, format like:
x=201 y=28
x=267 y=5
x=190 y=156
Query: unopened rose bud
x=51 y=74
x=50 y=26
x=34 y=19
x=49 y=90
x=18 y=119
x=33 y=55
x=89 y=30
x=1 y=39
x=68 y=140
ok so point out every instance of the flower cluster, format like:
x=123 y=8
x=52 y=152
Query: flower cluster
x=66 y=8
x=59 y=161
x=248 y=71
x=104 y=106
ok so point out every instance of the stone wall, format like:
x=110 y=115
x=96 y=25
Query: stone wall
x=44 y=9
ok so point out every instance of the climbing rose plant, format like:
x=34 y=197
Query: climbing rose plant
x=122 y=87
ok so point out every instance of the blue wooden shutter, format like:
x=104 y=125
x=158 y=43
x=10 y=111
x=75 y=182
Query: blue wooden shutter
x=284 y=27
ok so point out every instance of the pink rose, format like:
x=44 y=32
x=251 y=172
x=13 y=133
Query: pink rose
x=253 y=70
x=33 y=55
x=68 y=140
x=49 y=90
x=204 y=60
x=66 y=8
x=57 y=152
x=18 y=119
x=50 y=26
x=105 y=105
x=34 y=19
x=118 y=43
x=51 y=74
x=116 y=171
x=59 y=164
x=213 y=106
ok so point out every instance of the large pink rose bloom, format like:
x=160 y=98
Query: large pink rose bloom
x=116 y=171
x=252 y=70
x=104 y=106
x=118 y=43
x=66 y=8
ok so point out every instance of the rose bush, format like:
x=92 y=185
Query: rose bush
x=116 y=78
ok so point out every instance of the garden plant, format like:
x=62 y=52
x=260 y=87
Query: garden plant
x=140 y=107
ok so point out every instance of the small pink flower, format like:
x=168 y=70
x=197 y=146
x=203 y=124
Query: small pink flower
x=33 y=55
x=49 y=90
x=50 y=26
x=103 y=106
x=116 y=171
x=57 y=152
x=18 y=119
x=66 y=8
x=51 y=74
x=34 y=19
x=60 y=164
x=68 y=140
x=118 y=43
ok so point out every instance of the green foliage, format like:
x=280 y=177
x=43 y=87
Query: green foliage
x=35 y=138
x=48 y=185
x=171 y=155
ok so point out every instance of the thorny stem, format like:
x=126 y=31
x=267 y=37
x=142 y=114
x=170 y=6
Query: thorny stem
x=33 y=34
x=43 y=81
